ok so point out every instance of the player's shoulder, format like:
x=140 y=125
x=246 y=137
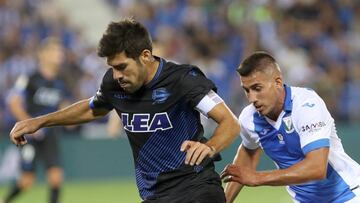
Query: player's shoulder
x=108 y=82
x=246 y=115
x=303 y=94
x=181 y=69
x=305 y=98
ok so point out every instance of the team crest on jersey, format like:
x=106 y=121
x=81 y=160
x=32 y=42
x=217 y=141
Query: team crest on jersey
x=289 y=127
x=142 y=122
x=160 y=95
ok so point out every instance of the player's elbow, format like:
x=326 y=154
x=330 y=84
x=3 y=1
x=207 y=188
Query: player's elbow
x=235 y=127
x=320 y=173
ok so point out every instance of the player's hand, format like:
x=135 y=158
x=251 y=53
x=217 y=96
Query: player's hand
x=17 y=134
x=196 y=152
x=242 y=175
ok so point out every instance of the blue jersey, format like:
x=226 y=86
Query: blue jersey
x=304 y=125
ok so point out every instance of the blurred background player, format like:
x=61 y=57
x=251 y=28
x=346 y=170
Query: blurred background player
x=41 y=93
x=294 y=128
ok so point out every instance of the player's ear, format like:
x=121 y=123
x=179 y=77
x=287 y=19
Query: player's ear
x=146 y=56
x=278 y=81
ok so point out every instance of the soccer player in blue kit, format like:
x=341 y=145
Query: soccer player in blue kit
x=159 y=103
x=294 y=128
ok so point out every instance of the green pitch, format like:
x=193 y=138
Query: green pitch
x=124 y=191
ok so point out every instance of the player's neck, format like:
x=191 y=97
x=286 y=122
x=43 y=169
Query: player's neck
x=47 y=72
x=152 y=69
x=274 y=115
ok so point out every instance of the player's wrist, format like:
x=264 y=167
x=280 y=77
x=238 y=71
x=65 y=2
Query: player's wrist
x=212 y=149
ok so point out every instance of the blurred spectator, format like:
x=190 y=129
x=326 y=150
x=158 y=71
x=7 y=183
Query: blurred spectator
x=317 y=41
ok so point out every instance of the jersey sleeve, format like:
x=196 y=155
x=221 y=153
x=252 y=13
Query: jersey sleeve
x=314 y=124
x=19 y=89
x=100 y=99
x=247 y=140
x=195 y=86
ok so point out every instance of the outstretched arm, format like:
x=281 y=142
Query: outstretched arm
x=313 y=167
x=244 y=157
x=77 y=113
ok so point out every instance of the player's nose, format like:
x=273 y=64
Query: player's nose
x=252 y=97
x=118 y=75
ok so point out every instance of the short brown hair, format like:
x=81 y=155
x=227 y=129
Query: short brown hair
x=255 y=62
x=126 y=35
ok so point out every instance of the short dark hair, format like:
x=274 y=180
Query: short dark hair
x=47 y=42
x=126 y=35
x=257 y=61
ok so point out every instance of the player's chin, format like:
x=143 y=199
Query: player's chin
x=263 y=111
x=129 y=89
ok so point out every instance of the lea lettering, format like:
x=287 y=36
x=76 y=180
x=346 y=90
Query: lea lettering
x=142 y=122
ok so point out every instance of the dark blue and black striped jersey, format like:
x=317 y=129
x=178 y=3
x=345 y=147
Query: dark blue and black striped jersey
x=40 y=95
x=44 y=96
x=158 y=118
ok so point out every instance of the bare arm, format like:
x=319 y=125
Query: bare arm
x=114 y=125
x=227 y=130
x=225 y=133
x=77 y=113
x=244 y=157
x=17 y=109
x=313 y=167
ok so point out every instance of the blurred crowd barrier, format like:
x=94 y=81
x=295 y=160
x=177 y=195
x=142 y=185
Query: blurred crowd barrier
x=317 y=44
x=89 y=159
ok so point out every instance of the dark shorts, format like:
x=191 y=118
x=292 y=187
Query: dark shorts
x=45 y=150
x=200 y=187
x=207 y=193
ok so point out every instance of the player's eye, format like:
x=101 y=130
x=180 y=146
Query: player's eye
x=120 y=67
x=246 y=90
x=257 y=88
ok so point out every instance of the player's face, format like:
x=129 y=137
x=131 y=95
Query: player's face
x=52 y=56
x=130 y=73
x=264 y=92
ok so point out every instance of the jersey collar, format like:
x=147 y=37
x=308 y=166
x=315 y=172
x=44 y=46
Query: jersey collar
x=158 y=71
x=288 y=102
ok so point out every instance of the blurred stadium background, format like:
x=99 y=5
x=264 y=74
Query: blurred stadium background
x=317 y=44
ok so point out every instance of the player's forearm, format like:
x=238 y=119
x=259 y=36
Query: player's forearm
x=76 y=113
x=244 y=157
x=304 y=171
x=232 y=189
x=224 y=134
x=17 y=109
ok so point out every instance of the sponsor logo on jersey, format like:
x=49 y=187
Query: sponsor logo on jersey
x=120 y=95
x=47 y=97
x=264 y=131
x=142 y=122
x=313 y=127
x=281 y=138
x=289 y=127
x=307 y=104
x=160 y=95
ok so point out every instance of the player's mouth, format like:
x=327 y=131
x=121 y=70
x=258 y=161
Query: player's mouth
x=258 y=108
x=124 y=84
